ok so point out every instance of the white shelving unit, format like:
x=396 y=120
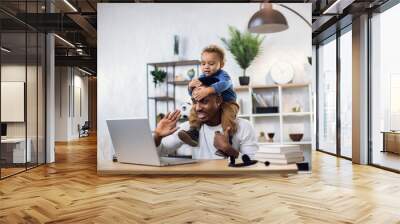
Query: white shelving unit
x=285 y=121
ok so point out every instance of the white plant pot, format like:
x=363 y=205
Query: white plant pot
x=160 y=90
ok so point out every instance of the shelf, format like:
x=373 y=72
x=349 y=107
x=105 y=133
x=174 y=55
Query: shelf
x=264 y=86
x=285 y=143
x=290 y=85
x=268 y=143
x=298 y=143
x=296 y=114
x=295 y=85
x=175 y=63
x=180 y=83
x=266 y=115
x=241 y=88
x=162 y=98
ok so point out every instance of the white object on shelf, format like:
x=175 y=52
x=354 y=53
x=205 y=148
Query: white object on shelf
x=282 y=72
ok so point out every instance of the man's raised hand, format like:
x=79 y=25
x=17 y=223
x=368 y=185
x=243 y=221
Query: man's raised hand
x=167 y=125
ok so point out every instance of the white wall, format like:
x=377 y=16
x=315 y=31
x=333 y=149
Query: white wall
x=33 y=127
x=17 y=73
x=131 y=35
x=67 y=85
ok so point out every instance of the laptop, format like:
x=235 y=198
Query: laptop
x=134 y=143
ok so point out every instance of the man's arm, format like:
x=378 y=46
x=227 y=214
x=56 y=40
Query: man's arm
x=247 y=138
x=157 y=139
x=166 y=132
x=230 y=151
x=221 y=142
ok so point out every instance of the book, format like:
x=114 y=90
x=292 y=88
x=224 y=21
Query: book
x=259 y=100
x=278 y=148
x=279 y=155
x=282 y=161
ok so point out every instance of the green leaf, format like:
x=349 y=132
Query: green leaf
x=244 y=47
x=158 y=76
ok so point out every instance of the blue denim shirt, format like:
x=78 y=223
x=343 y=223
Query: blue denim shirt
x=224 y=86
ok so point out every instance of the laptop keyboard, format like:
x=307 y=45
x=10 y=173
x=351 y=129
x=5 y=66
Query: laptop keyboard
x=172 y=160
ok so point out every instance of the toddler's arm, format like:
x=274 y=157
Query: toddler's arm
x=193 y=84
x=224 y=83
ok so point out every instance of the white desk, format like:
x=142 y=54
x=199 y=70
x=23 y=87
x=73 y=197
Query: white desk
x=18 y=149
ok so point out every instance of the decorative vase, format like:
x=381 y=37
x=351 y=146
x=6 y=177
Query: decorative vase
x=271 y=136
x=176 y=45
x=160 y=90
x=296 y=137
x=262 y=137
x=190 y=74
x=244 y=80
x=297 y=107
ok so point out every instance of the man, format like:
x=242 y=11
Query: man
x=208 y=110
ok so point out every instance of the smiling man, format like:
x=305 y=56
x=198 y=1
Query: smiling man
x=211 y=138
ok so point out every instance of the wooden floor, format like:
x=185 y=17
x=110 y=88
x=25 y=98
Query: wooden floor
x=386 y=159
x=70 y=191
x=5 y=172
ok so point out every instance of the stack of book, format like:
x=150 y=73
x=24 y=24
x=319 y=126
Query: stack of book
x=280 y=154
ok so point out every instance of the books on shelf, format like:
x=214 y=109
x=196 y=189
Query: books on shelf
x=260 y=100
x=280 y=154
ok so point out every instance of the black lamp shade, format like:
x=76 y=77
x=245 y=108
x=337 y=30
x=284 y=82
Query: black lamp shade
x=267 y=20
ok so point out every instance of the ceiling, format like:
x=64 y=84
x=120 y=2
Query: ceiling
x=76 y=22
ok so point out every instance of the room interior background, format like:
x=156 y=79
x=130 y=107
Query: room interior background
x=22 y=77
x=71 y=102
x=130 y=36
x=385 y=88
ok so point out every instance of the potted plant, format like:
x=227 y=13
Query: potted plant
x=245 y=47
x=158 y=77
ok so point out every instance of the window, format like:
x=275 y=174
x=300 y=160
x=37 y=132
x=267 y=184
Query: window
x=385 y=89
x=327 y=96
x=346 y=93
x=22 y=77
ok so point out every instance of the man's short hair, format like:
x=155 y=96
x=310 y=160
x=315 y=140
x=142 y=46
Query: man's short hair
x=208 y=80
x=217 y=50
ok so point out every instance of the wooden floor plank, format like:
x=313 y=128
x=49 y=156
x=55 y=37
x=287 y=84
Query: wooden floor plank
x=70 y=191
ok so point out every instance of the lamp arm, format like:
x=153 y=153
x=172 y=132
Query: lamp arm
x=298 y=14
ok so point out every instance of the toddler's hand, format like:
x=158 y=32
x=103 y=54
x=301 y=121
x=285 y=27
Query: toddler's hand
x=201 y=92
x=194 y=83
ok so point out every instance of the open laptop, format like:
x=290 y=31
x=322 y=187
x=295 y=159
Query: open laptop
x=134 y=143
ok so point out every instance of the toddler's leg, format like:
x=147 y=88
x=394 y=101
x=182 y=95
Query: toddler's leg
x=229 y=113
x=191 y=136
x=193 y=120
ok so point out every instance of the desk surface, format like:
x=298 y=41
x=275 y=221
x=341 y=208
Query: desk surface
x=13 y=140
x=201 y=167
x=390 y=132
